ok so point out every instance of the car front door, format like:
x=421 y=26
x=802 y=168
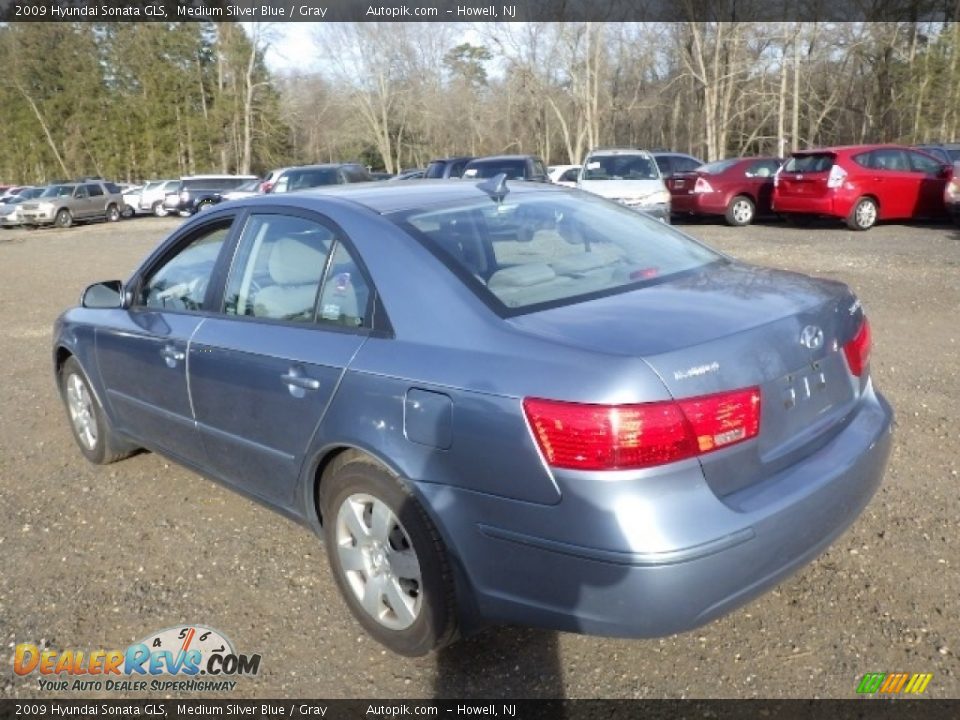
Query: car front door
x=142 y=350
x=759 y=179
x=79 y=203
x=896 y=187
x=96 y=202
x=295 y=311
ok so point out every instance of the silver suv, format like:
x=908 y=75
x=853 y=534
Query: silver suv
x=66 y=203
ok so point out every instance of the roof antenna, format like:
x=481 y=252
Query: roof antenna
x=495 y=187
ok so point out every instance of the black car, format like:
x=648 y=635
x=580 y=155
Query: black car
x=671 y=163
x=515 y=167
x=308 y=176
x=445 y=168
x=198 y=192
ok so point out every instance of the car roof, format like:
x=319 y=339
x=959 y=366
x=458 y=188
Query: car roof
x=387 y=197
x=217 y=177
x=497 y=158
x=618 y=151
x=455 y=158
x=836 y=149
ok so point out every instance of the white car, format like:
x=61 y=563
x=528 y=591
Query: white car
x=565 y=175
x=631 y=177
x=131 y=201
x=151 y=199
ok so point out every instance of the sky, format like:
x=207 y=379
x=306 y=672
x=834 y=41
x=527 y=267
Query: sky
x=291 y=47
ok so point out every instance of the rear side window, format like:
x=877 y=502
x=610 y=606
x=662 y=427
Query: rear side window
x=884 y=159
x=545 y=249
x=95 y=190
x=685 y=164
x=346 y=295
x=810 y=162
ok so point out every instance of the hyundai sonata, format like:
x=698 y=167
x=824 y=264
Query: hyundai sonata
x=496 y=402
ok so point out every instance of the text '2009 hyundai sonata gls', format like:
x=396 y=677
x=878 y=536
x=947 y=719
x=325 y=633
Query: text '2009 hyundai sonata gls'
x=496 y=402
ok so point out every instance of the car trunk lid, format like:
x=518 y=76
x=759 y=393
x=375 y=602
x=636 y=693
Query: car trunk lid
x=728 y=327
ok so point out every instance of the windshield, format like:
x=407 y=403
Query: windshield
x=513 y=169
x=58 y=191
x=435 y=169
x=542 y=249
x=620 y=167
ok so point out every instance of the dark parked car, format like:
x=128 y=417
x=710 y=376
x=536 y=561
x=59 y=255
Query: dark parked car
x=199 y=192
x=947 y=153
x=861 y=184
x=671 y=163
x=609 y=428
x=515 y=167
x=308 y=176
x=738 y=189
x=445 y=168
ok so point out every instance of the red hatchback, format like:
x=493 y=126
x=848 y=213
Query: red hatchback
x=737 y=188
x=862 y=184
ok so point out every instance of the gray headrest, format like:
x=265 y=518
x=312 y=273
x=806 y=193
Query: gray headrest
x=294 y=262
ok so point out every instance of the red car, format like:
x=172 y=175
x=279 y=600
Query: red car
x=737 y=188
x=862 y=184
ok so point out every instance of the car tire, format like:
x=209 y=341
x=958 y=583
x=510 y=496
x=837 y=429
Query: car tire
x=740 y=211
x=158 y=209
x=88 y=422
x=128 y=212
x=113 y=213
x=387 y=557
x=863 y=216
x=204 y=205
x=63 y=218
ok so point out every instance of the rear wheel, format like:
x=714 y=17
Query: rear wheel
x=863 y=216
x=87 y=420
x=387 y=557
x=113 y=213
x=740 y=211
x=63 y=219
x=158 y=209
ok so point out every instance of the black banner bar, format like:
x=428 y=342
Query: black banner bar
x=503 y=709
x=476 y=10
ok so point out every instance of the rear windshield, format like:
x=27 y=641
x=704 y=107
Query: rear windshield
x=620 y=167
x=812 y=162
x=513 y=169
x=715 y=168
x=300 y=179
x=543 y=249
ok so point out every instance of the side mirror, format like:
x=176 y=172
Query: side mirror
x=104 y=295
x=945 y=171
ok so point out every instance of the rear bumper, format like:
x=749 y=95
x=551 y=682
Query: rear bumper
x=826 y=205
x=638 y=558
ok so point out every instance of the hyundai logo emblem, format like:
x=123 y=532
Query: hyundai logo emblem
x=811 y=337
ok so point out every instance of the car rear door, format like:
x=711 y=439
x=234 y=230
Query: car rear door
x=263 y=371
x=891 y=181
x=142 y=350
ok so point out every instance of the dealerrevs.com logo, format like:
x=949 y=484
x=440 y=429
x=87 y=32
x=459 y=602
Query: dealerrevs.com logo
x=185 y=658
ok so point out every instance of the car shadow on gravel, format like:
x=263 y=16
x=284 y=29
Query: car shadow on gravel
x=502 y=662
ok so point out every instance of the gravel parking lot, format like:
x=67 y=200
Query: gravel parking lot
x=99 y=557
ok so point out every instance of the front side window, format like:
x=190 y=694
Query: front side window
x=763 y=168
x=570 y=175
x=620 y=167
x=922 y=163
x=57 y=191
x=547 y=248
x=279 y=265
x=181 y=282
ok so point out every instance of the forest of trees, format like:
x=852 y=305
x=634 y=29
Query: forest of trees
x=132 y=101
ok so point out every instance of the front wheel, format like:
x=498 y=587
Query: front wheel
x=87 y=420
x=740 y=211
x=387 y=557
x=159 y=210
x=128 y=212
x=863 y=216
x=63 y=219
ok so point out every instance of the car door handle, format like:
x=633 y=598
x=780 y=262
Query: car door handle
x=300 y=381
x=172 y=356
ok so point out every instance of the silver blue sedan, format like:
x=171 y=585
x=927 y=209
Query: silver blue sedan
x=496 y=402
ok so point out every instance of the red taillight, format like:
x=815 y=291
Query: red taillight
x=702 y=186
x=858 y=349
x=619 y=437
